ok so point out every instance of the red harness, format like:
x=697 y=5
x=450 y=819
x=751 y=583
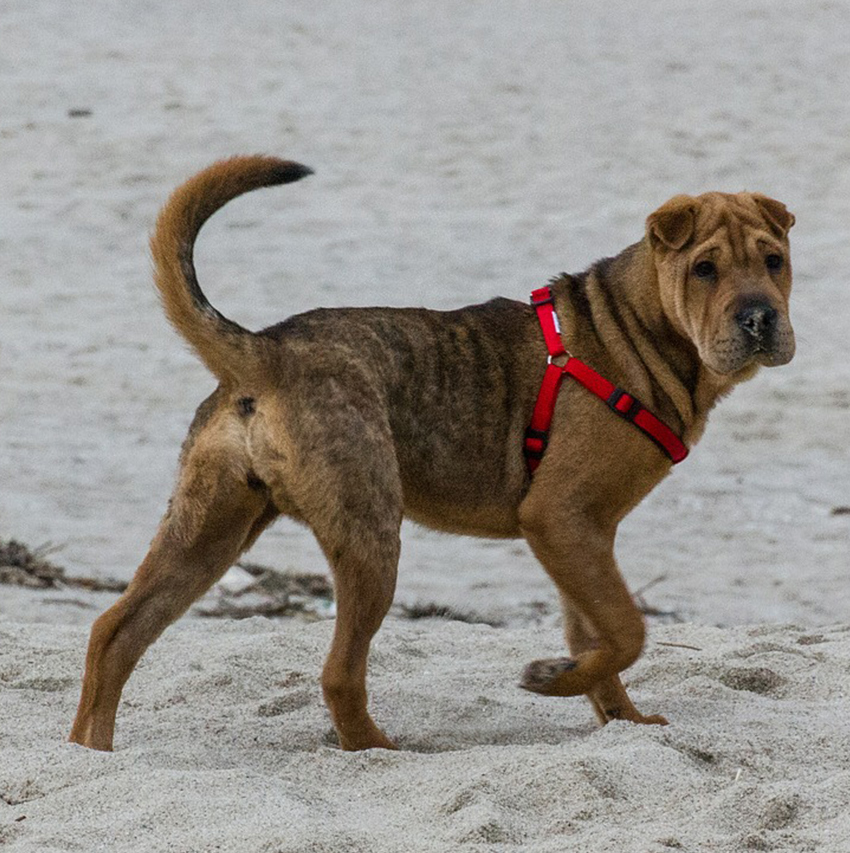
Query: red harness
x=619 y=401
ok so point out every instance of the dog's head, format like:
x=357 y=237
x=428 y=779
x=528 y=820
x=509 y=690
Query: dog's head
x=724 y=272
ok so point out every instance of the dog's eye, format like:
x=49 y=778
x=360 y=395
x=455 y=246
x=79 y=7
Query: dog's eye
x=705 y=269
x=774 y=262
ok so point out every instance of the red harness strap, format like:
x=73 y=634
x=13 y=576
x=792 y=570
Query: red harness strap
x=624 y=404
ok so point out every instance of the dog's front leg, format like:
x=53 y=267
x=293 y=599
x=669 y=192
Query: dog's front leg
x=605 y=629
x=608 y=698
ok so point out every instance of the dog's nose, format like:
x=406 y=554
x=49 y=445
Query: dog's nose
x=757 y=320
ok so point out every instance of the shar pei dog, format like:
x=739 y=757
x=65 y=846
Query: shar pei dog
x=548 y=421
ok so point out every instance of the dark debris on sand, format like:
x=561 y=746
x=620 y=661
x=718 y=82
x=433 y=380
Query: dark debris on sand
x=265 y=591
x=271 y=593
x=24 y=566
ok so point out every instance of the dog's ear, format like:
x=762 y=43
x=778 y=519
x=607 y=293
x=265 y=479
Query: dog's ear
x=778 y=217
x=673 y=224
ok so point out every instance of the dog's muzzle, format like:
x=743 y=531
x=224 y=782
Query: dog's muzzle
x=764 y=333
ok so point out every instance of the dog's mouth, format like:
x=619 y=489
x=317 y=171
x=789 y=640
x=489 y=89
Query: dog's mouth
x=757 y=332
x=774 y=355
x=772 y=349
x=738 y=349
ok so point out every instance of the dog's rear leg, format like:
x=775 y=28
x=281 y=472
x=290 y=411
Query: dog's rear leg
x=364 y=581
x=349 y=492
x=213 y=517
x=358 y=530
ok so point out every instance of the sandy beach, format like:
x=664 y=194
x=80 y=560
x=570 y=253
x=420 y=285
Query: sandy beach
x=461 y=151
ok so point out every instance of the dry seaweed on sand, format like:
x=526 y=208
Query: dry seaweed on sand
x=442 y=611
x=21 y=565
x=254 y=590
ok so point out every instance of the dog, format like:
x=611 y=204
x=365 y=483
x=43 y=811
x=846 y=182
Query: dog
x=347 y=419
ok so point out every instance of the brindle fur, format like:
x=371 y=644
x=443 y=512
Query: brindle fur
x=346 y=419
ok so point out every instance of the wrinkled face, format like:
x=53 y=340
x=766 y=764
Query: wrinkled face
x=724 y=274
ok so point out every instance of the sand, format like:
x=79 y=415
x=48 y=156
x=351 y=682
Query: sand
x=461 y=151
x=224 y=745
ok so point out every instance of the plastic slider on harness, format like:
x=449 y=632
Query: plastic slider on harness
x=618 y=400
x=542 y=300
x=536 y=442
x=628 y=411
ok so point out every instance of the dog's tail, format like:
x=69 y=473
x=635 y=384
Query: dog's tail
x=225 y=347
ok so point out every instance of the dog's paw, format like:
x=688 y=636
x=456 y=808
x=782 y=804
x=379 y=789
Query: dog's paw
x=541 y=676
x=633 y=716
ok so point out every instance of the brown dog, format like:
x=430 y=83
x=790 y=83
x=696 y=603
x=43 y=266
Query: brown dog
x=347 y=419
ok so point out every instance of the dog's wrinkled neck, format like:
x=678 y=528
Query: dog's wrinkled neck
x=621 y=321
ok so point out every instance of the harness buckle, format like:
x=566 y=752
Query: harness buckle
x=538 y=436
x=628 y=413
x=547 y=299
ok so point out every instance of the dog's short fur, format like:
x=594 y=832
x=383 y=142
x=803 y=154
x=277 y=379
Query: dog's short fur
x=347 y=419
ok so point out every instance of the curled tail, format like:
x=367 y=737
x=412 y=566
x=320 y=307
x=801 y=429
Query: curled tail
x=225 y=347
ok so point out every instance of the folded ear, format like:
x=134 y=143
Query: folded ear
x=777 y=215
x=673 y=224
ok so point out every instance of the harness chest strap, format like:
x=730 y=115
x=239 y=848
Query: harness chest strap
x=619 y=401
